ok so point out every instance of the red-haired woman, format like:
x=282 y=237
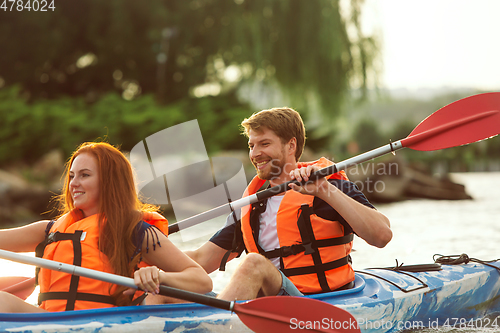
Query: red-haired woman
x=103 y=226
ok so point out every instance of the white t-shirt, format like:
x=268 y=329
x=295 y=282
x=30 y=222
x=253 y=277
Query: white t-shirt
x=268 y=231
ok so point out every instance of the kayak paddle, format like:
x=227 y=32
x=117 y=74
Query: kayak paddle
x=265 y=314
x=462 y=122
x=21 y=286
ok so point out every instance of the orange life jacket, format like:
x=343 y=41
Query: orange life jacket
x=314 y=252
x=73 y=240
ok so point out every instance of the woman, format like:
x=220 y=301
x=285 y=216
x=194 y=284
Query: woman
x=102 y=226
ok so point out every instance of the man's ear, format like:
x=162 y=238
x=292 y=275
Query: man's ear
x=292 y=146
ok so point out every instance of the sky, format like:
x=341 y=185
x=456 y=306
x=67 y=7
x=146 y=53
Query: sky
x=437 y=43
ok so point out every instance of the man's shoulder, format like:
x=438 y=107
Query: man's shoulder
x=351 y=189
x=224 y=237
x=344 y=185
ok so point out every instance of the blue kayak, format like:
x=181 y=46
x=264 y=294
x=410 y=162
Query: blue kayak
x=382 y=300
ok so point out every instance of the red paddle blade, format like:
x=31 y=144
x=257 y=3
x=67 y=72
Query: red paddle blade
x=462 y=122
x=20 y=286
x=292 y=314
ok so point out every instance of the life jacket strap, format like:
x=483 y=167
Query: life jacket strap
x=286 y=251
x=308 y=237
x=64 y=295
x=237 y=246
x=75 y=238
x=223 y=261
x=138 y=300
x=313 y=269
x=40 y=248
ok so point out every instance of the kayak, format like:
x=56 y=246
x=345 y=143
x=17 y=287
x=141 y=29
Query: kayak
x=382 y=300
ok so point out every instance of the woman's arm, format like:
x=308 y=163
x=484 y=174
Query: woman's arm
x=175 y=268
x=25 y=238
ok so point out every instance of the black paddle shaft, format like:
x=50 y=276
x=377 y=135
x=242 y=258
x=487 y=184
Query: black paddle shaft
x=284 y=187
x=212 y=213
x=196 y=298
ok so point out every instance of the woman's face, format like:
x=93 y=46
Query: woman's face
x=84 y=184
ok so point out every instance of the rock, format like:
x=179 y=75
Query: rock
x=426 y=186
x=50 y=167
x=394 y=180
x=20 y=200
x=10 y=181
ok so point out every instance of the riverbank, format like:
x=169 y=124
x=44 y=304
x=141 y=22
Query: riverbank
x=393 y=179
x=27 y=192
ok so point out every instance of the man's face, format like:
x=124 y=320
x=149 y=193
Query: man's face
x=267 y=153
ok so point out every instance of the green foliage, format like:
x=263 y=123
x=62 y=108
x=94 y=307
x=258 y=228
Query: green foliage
x=72 y=66
x=368 y=135
x=29 y=130
x=302 y=45
x=381 y=119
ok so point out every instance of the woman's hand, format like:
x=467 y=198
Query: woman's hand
x=148 y=279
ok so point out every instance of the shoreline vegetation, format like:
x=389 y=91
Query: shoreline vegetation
x=37 y=137
x=26 y=191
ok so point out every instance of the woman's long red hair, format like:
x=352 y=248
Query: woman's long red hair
x=119 y=206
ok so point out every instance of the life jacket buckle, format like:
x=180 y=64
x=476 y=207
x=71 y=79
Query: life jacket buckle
x=51 y=238
x=308 y=248
x=287 y=251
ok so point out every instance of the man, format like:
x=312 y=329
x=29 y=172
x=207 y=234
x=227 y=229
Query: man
x=305 y=232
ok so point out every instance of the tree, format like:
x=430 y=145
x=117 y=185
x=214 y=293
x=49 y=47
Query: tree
x=91 y=47
x=368 y=135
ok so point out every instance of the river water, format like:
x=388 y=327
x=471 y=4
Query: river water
x=421 y=228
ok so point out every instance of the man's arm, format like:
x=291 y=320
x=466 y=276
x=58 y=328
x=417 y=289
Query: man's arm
x=209 y=256
x=367 y=223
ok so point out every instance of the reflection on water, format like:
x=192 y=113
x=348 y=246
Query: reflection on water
x=421 y=228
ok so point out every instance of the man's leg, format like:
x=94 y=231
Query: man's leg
x=288 y=288
x=255 y=273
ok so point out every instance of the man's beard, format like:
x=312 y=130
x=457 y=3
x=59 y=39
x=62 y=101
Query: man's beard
x=275 y=170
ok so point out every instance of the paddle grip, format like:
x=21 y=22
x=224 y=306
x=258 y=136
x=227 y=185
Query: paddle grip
x=284 y=187
x=196 y=298
x=173 y=228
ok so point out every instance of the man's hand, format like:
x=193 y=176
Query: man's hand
x=316 y=188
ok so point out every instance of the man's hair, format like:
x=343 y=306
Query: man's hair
x=285 y=122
